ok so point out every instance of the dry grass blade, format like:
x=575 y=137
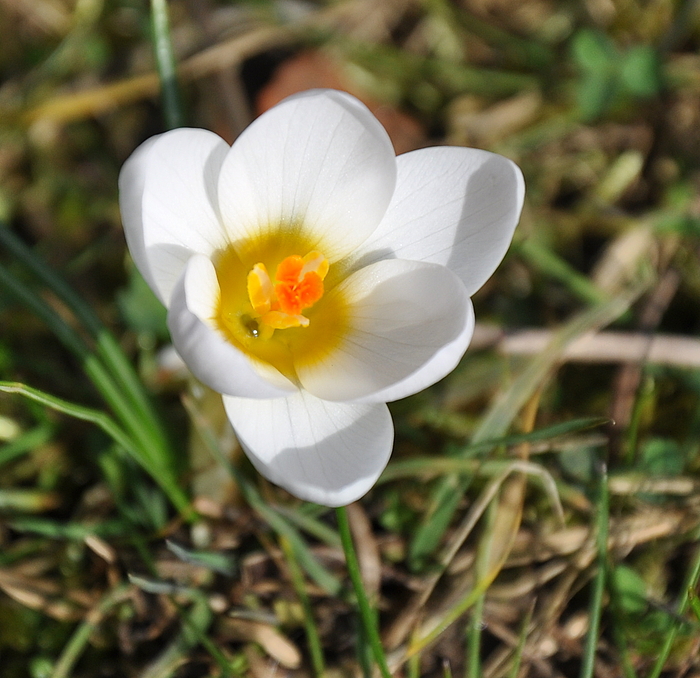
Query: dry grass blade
x=275 y=644
x=496 y=423
x=495 y=545
x=409 y=617
x=497 y=420
x=74 y=106
x=43 y=594
x=509 y=508
x=610 y=347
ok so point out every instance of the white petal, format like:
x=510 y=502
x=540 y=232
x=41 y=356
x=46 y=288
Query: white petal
x=319 y=159
x=328 y=453
x=438 y=367
x=132 y=178
x=210 y=357
x=168 y=201
x=452 y=206
x=402 y=314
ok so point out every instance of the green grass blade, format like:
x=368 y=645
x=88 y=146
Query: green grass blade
x=64 y=332
x=501 y=415
x=109 y=426
x=367 y=614
x=464 y=463
x=73 y=342
x=498 y=419
x=313 y=637
x=99 y=419
x=618 y=632
x=81 y=636
x=477 y=614
x=520 y=51
x=211 y=560
x=70 y=531
x=552 y=265
x=144 y=445
x=520 y=647
x=690 y=583
x=596 y=604
x=26 y=441
x=444 y=503
x=165 y=63
x=310 y=525
x=27 y=500
x=434 y=420
x=106 y=346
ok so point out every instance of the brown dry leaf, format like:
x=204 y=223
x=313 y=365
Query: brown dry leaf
x=260 y=666
x=509 y=509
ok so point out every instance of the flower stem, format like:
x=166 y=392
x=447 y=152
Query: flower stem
x=367 y=614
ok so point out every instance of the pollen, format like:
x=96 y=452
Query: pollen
x=298 y=285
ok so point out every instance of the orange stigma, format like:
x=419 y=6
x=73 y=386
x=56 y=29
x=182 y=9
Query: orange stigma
x=298 y=285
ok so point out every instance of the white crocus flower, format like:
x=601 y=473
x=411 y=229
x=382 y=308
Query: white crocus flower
x=311 y=276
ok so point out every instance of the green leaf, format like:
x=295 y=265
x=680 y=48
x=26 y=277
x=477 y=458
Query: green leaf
x=684 y=224
x=631 y=589
x=663 y=457
x=578 y=463
x=596 y=93
x=593 y=51
x=640 y=71
x=429 y=532
x=140 y=308
x=694 y=603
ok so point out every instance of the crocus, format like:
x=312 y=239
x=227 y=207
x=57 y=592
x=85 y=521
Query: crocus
x=311 y=276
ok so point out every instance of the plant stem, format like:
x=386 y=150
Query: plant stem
x=368 y=615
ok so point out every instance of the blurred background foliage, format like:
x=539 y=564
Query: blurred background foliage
x=541 y=512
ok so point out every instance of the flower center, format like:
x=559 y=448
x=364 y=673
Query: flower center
x=284 y=320
x=298 y=285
